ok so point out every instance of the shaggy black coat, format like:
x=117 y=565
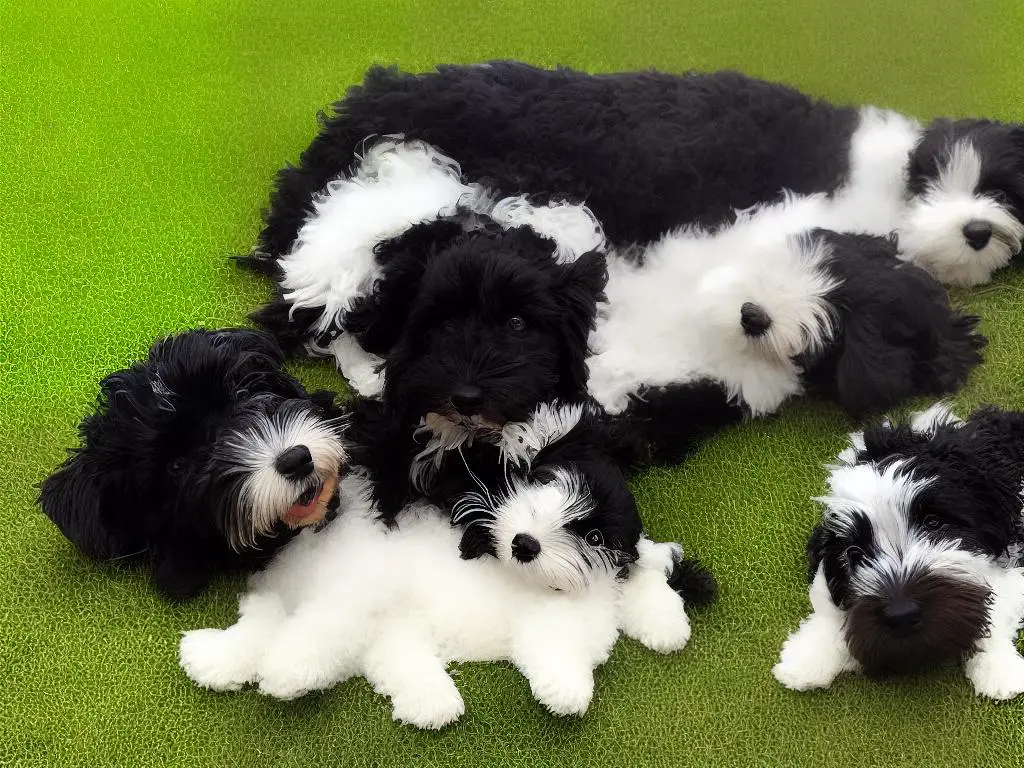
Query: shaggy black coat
x=149 y=482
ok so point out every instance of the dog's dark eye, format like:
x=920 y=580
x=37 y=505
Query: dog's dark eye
x=932 y=522
x=177 y=465
x=516 y=324
x=595 y=538
x=854 y=556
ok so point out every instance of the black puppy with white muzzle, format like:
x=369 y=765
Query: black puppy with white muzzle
x=918 y=556
x=200 y=458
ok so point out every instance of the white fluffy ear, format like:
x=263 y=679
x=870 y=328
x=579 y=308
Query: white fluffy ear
x=574 y=229
x=927 y=422
x=816 y=653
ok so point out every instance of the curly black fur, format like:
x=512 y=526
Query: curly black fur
x=647 y=151
x=152 y=479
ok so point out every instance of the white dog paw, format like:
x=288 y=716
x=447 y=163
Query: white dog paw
x=213 y=658
x=564 y=694
x=430 y=708
x=287 y=673
x=664 y=628
x=996 y=677
x=368 y=383
x=803 y=674
x=652 y=613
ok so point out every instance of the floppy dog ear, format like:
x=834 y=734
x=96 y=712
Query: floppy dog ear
x=377 y=319
x=82 y=500
x=248 y=340
x=579 y=287
x=820 y=552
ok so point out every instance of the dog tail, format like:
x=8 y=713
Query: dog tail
x=664 y=425
x=693 y=582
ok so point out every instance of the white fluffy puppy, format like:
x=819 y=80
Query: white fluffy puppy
x=397 y=606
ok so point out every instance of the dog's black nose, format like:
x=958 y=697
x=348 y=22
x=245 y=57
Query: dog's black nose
x=754 y=319
x=903 y=614
x=977 y=233
x=524 y=547
x=467 y=399
x=295 y=463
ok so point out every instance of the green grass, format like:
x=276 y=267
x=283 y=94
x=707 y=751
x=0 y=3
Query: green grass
x=138 y=141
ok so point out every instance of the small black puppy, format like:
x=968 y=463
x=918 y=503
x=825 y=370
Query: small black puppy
x=200 y=458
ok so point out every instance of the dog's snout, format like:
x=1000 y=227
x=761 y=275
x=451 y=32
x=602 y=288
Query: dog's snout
x=525 y=547
x=902 y=615
x=754 y=319
x=977 y=233
x=295 y=462
x=467 y=399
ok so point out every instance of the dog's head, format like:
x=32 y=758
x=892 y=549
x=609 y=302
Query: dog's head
x=966 y=213
x=777 y=307
x=204 y=447
x=896 y=335
x=916 y=517
x=564 y=516
x=493 y=325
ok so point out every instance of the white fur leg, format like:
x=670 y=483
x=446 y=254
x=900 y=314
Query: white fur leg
x=404 y=667
x=313 y=649
x=362 y=370
x=560 y=670
x=649 y=610
x=816 y=653
x=997 y=669
x=227 y=659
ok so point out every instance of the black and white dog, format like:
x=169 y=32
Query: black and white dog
x=918 y=557
x=200 y=458
x=650 y=152
x=547 y=496
x=497 y=306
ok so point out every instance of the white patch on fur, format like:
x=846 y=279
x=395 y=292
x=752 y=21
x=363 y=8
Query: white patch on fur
x=816 y=653
x=363 y=370
x=518 y=441
x=397 y=607
x=676 y=317
x=521 y=441
x=932 y=232
x=396 y=185
x=928 y=421
x=266 y=494
x=574 y=228
x=884 y=496
x=332 y=262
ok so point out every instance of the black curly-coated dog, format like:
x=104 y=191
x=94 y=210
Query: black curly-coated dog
x=649 y=151
x=198 y=459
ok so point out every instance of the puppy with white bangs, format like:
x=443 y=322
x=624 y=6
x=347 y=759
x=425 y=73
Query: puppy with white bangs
x=918 y=558
x=201 y=458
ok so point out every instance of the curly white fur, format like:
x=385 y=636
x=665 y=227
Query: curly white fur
x=397 y=606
